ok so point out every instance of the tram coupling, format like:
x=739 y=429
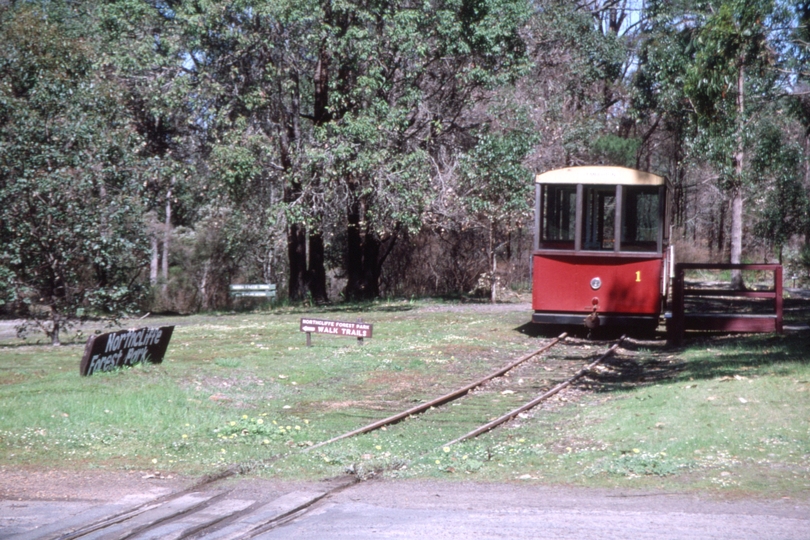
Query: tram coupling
x=592 y=320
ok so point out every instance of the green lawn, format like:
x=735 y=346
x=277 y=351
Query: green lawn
x=727 y=413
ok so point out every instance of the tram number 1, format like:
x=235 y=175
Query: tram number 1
x=638 y=276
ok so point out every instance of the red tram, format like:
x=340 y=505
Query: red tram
x=601 y=247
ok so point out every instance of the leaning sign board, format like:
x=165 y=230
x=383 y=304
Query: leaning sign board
x=358 y=329
x=106 y=352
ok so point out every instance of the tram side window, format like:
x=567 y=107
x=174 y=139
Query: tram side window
x=598 y=231
x=640 y=209
x=559 y=216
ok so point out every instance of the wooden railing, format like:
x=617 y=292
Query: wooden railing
x=723 y=322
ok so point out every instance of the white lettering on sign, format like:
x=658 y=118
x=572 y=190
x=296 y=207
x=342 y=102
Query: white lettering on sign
x=125 y=348
x=134 y=338
x=337 y=328
x=353 y=332
x=326 y=330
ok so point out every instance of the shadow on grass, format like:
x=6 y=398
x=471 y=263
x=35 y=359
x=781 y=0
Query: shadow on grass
x=709 y=357
x=729 y=355
x=646 y=359
x=541 y=330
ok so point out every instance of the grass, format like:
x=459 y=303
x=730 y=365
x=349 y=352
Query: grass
x=727 y=413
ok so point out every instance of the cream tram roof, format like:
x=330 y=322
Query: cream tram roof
x=600 y=175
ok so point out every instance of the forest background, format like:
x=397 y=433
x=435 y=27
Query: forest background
x=152 y=152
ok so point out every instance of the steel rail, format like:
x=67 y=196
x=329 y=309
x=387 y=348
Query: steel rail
x=508 y=416
x=440 y=400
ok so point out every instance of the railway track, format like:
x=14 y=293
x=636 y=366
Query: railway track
x=210 y=513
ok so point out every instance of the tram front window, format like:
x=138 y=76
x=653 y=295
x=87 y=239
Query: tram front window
x=636 y=221
x=598 y=231
x=640 y=209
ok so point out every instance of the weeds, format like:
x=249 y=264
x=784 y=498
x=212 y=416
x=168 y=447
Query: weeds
x=723 y=413
x=636 y=463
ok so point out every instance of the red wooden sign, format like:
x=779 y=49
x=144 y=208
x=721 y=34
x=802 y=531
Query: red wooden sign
x=336 y=328
x=357 y=330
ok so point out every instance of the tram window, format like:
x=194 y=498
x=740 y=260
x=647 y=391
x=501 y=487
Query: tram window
x=598 y=231
x=559 y=216
x=640 y=209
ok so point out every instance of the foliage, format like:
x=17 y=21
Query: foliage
x=384 y=145
x=495 y=191
x=70 y=214
x=494 y=182
x=804 y=259
x=635 y=463
x=580 y=58
x=783 y=204
x=617 y=150
x=713 y=75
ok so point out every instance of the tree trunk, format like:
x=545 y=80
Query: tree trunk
x=54 y=334
x=721 y=232
x=289 y=140
x=167 y=234
x=807 y=186
x=493 y=264
x=371 y=267
x=320 y=81
x=153 y=264
x=363 y=259
x=354 y=253
x=204 y=285
x=736 y=191
x=297 y=255
x=680 y=219
x=317 y=268
x=736 y=225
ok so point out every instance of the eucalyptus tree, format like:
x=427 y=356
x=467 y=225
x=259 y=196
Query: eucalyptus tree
x=140 y=47
x=70 y=212
x=783 y=205
x=406 y=78
x=729 y=74
x=658 y=99
x=581 y=53
x=496 y=190
x=253 y=66
x=800 y=102
x=336 y=108
x=716 y=66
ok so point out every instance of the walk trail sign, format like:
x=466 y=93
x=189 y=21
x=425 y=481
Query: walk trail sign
x=106 y=352
x=357 y=329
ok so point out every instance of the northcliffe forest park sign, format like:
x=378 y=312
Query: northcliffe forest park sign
x=106 y=352
x=358 y=329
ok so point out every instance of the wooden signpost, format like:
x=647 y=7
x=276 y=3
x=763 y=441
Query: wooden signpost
x=358 y=329
x=106 y=352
